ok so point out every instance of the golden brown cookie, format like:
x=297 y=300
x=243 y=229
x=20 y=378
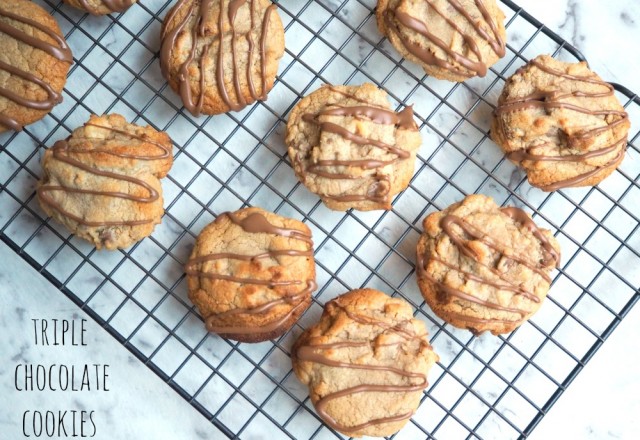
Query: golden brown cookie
x=350 y=148
x=251 y=274
x=561 y=123
x=103 y=183
x=366 y=363
x=101 y=7
x=221 y=55
x=451 y=39
x=34 y=61
x=484 y=268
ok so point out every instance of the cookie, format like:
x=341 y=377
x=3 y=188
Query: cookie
x=101 y=7
x=34 y=62
x=251 y=274
x=350 y=148
x=221 y=55
x=484 y=268
x=561 y=123
x=451 y=39
x=102 y=182
x=366 y=363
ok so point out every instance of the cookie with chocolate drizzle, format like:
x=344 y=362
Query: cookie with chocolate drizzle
x=251 y=274
x=348 y=146
x=101 y=7
x=451 y=39
x=33 y=66
x=221 y=55
x=561 y=123
x=102 y=182
x=484 y=268
x=366 y=363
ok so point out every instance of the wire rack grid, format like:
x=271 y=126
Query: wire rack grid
x=481 y=386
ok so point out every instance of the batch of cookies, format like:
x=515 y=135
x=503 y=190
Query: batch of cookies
x=252 y=273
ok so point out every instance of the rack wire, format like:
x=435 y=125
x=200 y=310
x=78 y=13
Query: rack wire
x=229 y=161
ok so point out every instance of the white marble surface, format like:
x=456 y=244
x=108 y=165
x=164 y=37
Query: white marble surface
x=602 y=402
x=137 y=404
x=599 y=404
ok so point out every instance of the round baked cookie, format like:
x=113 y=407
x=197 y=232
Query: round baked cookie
x=451 y=39
x=102 y=182
x=34 y=61
x=101 y=7
x=484 y=268
x=251 y=274
x=366 y=363
x=561 y=123
x=350 y=148
x=214 y=78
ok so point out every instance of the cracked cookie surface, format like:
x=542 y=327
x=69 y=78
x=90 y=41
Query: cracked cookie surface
x=350 y=148
x=251 y=274
x=101 y=7
x=103 y=183
x=366 y=363
x=451 y=39
x=221 y=55
x=34 y=62
x=484 y=268
x=561 y=123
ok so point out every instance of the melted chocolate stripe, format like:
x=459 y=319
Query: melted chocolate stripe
x=256 y=223
x=263 y=51
x=497 y=43
x=520 y=216
x=500 y=286
x=61 y=150
x=522 y=155
x=403 y=120
x=474 y=319
x=393 y=17
x=288 y=299
x=583 y=176
x=553 y=100
x=267 y=328
x=447 y=222
x=310 y=353
x=252 y=87
x=60 y=51
x=234 y=5
x=200 y=19
x=52 y=99
x=356 y=138
x=166 y=150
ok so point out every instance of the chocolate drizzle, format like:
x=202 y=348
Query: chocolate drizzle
x=380 y=189
x=64 y=152
x=59 y=50
x=198 y=17
x=394 y=18
x=555 y=100
x=111 y=5
x=449 y=223
x=320 y=353
x=256 y=223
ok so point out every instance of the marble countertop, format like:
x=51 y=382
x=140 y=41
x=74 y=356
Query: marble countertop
x=601 y=403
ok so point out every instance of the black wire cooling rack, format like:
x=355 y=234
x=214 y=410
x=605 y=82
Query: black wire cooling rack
x=481 y=386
